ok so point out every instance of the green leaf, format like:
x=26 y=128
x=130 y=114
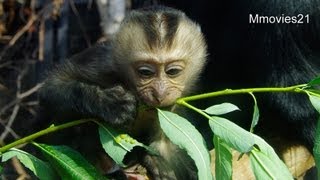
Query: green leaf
x=40 y=168
x=115 y=144
x=181 y=132
x=316 y=148
x=315 y=81
x=223 y=162
x=315 y=101
x=69 y=163
x=256 y=114
x=220 y=109
x=265 y=163
x=232 y=134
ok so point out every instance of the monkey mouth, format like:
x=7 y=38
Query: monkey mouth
x=158 y=101
x=155 y=103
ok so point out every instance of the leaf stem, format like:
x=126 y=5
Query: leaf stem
x=294 y=89
x=184 y=103
x=48 y=130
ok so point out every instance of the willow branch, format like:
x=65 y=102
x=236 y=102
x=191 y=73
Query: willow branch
x=48 y=130
x=293 y=89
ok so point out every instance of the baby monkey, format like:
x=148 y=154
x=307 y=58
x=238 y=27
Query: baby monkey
x=154 y=58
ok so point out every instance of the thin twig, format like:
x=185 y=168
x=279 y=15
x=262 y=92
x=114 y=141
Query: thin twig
x=16 y=107
x=17 y=36
x=9 y=105
x=28 y=107
x=31 y=110
x=21 y=75
x=10 y=122
x=41 y=40
x=3 y=88
x=11 y=131
x=31 y=103
x=89 y=5
x=19 y=169
x=30 y=91
x=20 y=97
x=5 y=64
x=24 y=29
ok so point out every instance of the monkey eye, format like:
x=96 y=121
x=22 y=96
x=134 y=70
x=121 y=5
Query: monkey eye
x=145 y=71
x=174 y=71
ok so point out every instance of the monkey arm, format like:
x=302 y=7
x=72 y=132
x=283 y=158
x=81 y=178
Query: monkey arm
x=87 y=86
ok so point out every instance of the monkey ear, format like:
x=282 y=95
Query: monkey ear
x=297 y=158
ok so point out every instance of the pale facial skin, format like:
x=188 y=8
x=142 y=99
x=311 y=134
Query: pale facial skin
x=159 y=84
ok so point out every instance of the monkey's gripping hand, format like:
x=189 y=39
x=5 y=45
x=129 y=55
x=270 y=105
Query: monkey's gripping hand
x=158 y=168
x=116 y=106
x=73 y=99
x=180 y=167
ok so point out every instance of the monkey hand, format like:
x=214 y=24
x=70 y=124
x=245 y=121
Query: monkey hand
x=117 y=106
x=158 y=168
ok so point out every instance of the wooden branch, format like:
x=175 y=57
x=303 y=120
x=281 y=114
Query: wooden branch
x=10 y=122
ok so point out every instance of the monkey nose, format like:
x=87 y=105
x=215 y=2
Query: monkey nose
x=159 y=99
x=160 y=96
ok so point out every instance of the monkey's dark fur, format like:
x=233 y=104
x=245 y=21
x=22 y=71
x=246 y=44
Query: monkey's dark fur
x=92 y=88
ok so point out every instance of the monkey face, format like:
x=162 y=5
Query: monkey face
x=159 y=84
x=160 y=55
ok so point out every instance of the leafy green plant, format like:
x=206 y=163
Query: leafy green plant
x=63 y=162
